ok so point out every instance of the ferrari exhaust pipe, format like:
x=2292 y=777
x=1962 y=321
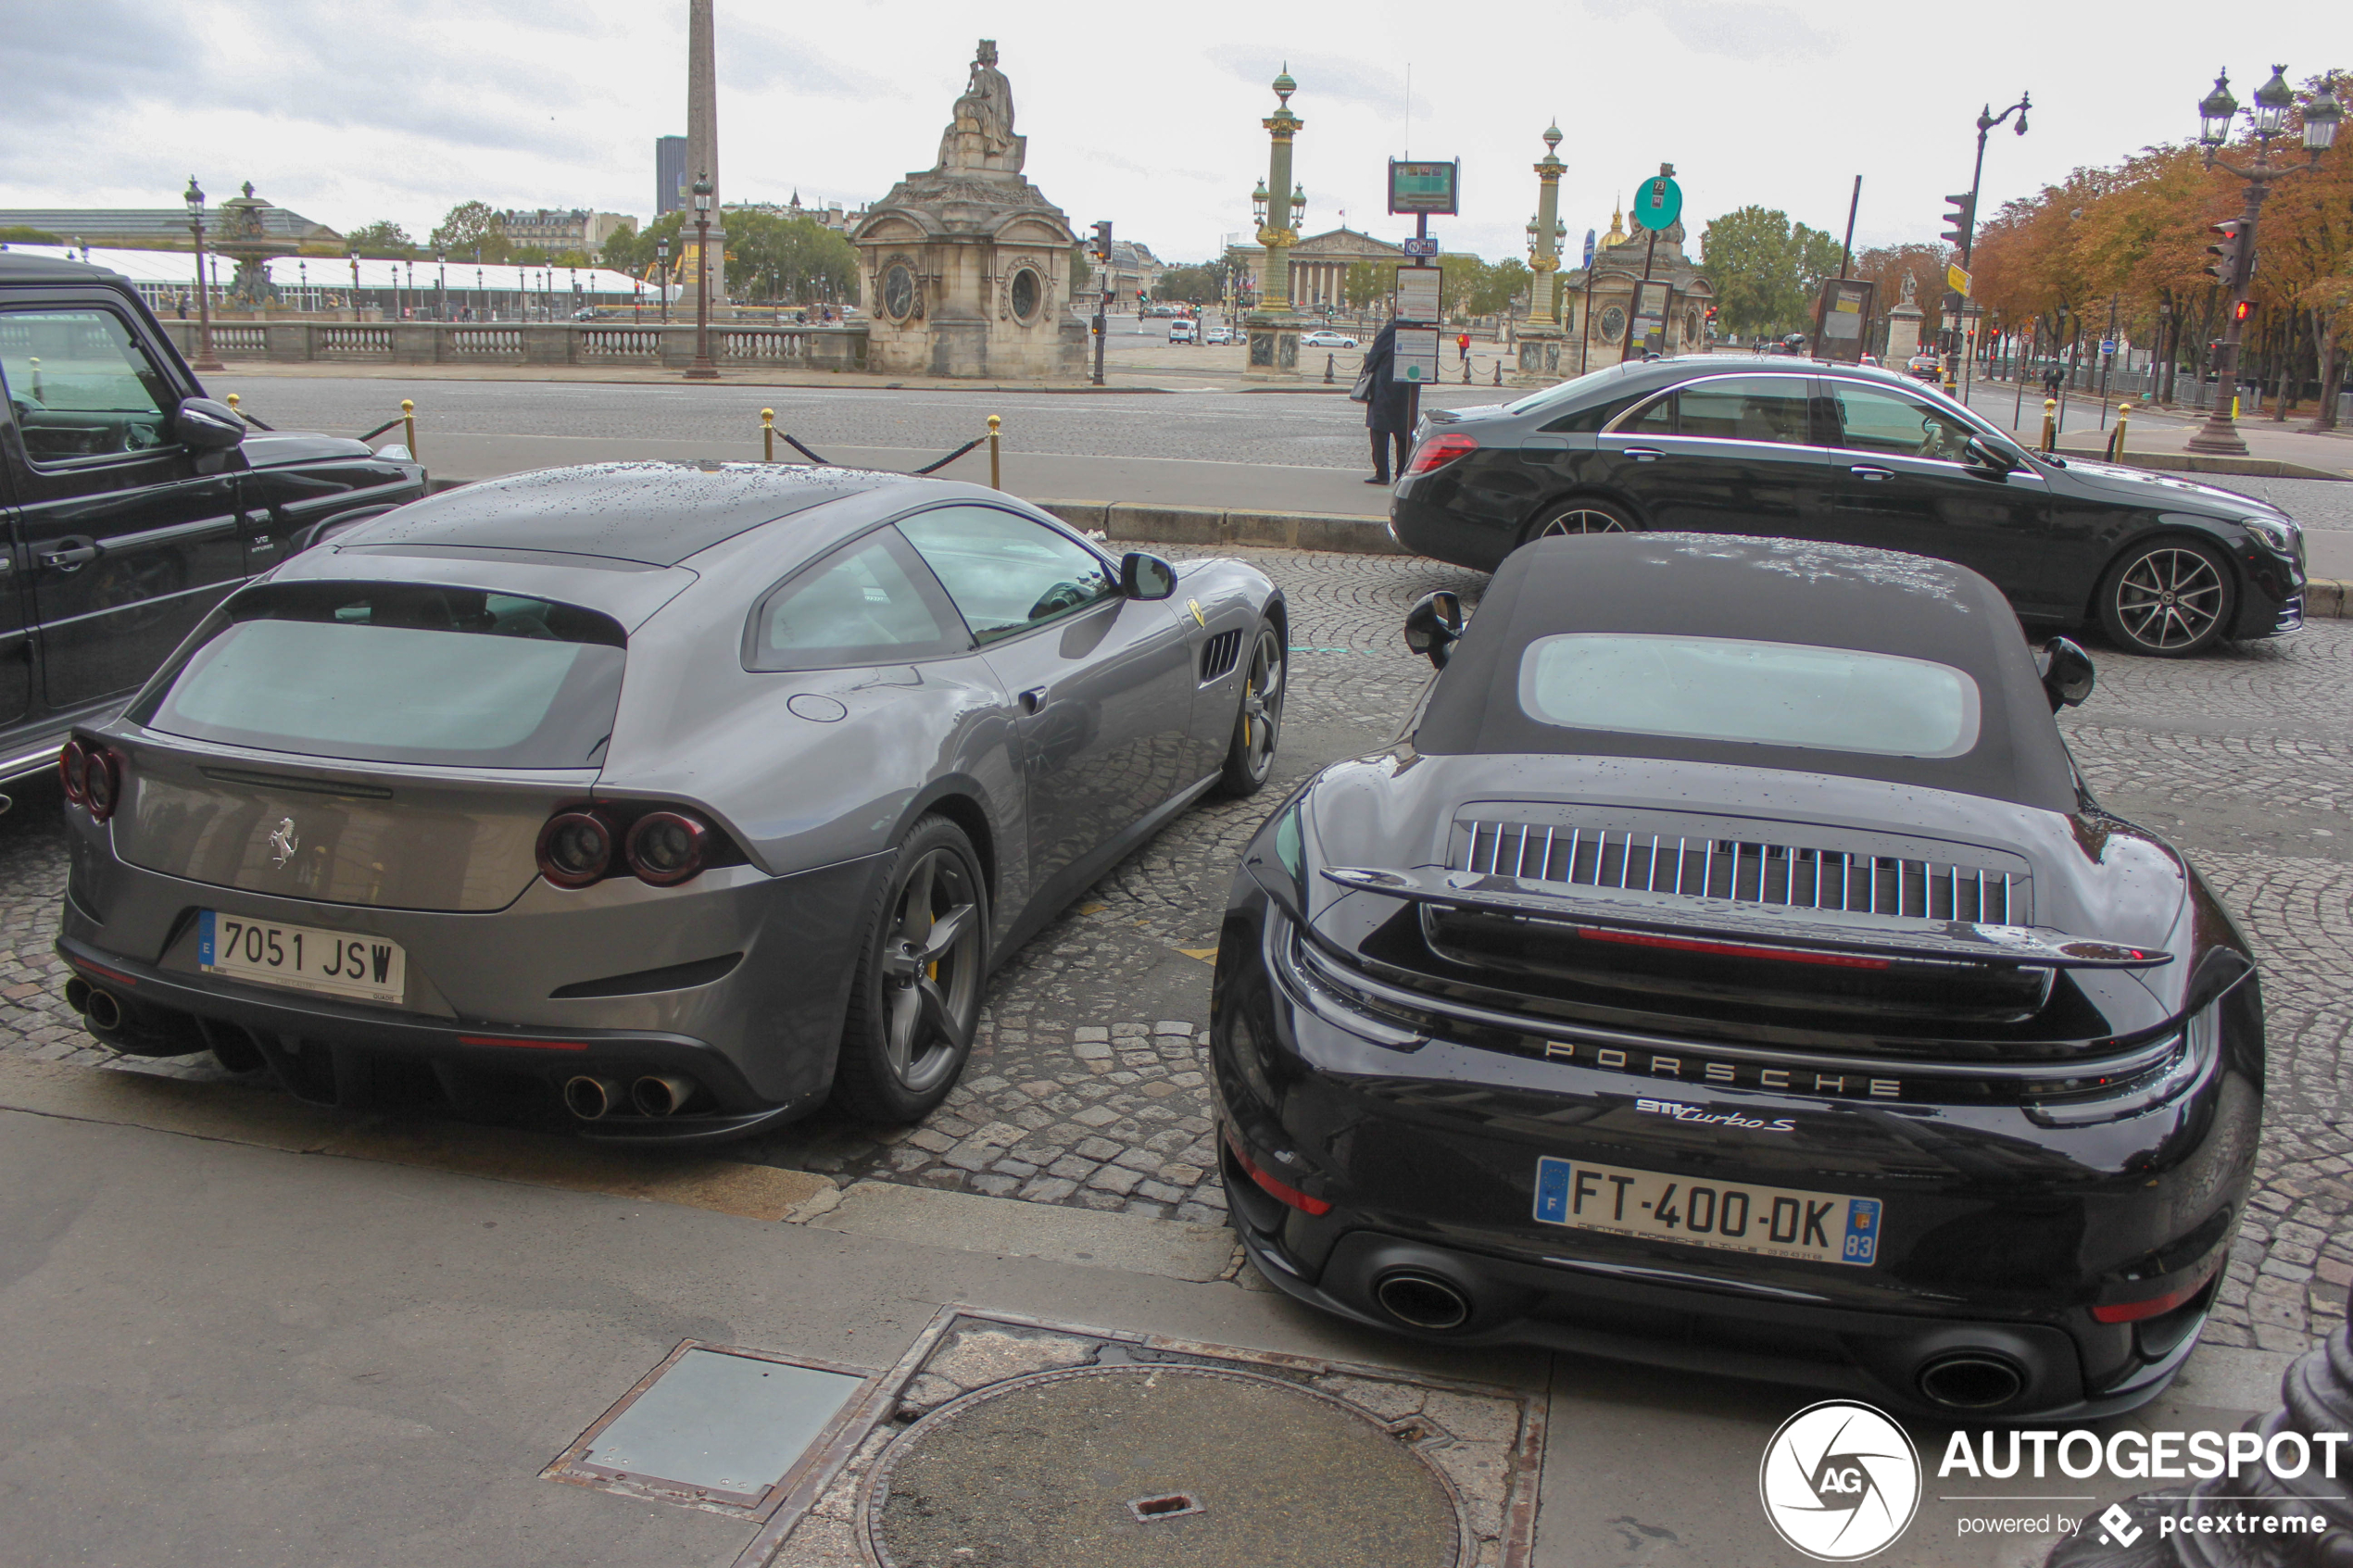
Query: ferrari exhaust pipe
x=102 y=1010
x=1971 y=1381
x=656 y=1096
x=1422 y=1301
x=589 y=1098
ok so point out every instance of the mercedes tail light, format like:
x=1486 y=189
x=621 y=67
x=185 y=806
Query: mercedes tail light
x=668 y=848
x=576 y=847
x=1439 y=450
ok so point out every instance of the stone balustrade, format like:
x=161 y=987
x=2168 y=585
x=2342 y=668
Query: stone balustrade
x=558 y=343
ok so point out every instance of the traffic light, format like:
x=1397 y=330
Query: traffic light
x=2224 y=268
x=2242 y=311
x=1102 y=242
x=1961 y=223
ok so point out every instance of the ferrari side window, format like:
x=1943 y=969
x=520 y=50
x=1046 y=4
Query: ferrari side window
x=1005 y=572
x=864 y=604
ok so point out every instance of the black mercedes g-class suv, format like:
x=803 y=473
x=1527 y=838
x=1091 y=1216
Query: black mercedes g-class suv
x=133 y=502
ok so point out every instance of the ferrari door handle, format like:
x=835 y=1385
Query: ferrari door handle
x=1033 y=699
x=69 y=553
x=1864 y=470
x=1645 y=454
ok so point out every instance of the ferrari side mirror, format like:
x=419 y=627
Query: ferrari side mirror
x=1433 y=626
x=1146 y=577
x=2067 y=672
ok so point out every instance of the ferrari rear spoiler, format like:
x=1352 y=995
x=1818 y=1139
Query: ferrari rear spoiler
x=1736 y=929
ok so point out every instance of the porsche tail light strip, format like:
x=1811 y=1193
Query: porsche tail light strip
x=1732 y=950
x=2154 y=1305
x=1312 y=1207
x=522 y=1045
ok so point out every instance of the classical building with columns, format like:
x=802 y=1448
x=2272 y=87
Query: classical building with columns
x=1319 y=266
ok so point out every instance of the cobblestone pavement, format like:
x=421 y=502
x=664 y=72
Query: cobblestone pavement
x=1085 y=1087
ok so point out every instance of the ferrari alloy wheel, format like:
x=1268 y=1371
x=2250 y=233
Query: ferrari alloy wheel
x=1579 y=517
x=2169 y=598
x=917 y=993
x=1258 y=727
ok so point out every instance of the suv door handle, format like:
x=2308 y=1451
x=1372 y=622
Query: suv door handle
x=1033 y=699
x=1864 y=470
x=1643 y=454
x=70 y=552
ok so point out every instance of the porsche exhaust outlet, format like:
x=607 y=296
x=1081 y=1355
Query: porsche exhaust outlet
x=1971 y=1381
x=660 y=1095
x=1422 y=1301
x=590 y=1097
x=102 y=1010
x=78 y=994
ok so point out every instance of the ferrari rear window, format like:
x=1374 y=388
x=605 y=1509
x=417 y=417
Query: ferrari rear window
x=1732 y=690
x=400 y=672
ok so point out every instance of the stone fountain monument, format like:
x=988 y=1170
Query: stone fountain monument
x=965 y=267
x=241 y=232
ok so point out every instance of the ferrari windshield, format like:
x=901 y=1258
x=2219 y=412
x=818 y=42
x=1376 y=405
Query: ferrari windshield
x=1734 y=690
x=400 y=672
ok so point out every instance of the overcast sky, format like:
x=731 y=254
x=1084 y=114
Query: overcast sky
x=348 y=112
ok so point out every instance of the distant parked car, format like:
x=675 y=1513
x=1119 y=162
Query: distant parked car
x=1219 y=335
x=1182 y=331
x=1326 y=339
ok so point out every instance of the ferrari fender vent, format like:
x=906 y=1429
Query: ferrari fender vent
x=1219 y=654
x=1788 y=876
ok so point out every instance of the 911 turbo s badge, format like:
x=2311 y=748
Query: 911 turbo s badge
x=283 y=843
x=1682 y=1113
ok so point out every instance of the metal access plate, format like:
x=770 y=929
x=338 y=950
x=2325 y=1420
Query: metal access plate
x=713 y=1426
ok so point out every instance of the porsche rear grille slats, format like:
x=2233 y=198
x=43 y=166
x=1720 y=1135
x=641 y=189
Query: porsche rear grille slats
x=1219 y=654
x=1743 y=872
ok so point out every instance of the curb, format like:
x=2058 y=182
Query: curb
x=1214 y=525
x=2189 y=463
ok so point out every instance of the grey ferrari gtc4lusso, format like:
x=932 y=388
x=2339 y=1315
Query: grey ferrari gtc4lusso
x=695 y=793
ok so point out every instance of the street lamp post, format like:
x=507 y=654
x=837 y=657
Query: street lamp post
x=661 y=273
x=205 y=357
x=1963 y=233
x=702 y=369
x=302 y=270
x=2215 y=113
x=441 y=286
x=351 y=253
x=1282 y=128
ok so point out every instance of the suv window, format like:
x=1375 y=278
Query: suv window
x=1889 y=424
x=81 y=386
x=870 y=602
x=1005 y=572
x=1768 y=408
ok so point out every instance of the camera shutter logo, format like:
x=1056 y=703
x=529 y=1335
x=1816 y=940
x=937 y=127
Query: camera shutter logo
x=1840 y=1481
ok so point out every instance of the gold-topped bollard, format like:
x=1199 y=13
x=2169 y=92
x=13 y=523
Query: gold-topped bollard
x=408 y=425
x=2050 y=424
x=767 y=436
x=232 y=405
x=993 y=485
x=2116 y=436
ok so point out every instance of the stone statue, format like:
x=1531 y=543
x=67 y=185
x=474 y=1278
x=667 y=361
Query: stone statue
x=980 y=137
x=1911 y=289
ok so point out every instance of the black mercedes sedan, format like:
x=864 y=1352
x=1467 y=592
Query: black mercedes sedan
x=1728 y=969
x=1855 y=455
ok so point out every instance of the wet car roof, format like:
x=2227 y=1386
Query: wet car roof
x=1764 y=589
x=655 y=513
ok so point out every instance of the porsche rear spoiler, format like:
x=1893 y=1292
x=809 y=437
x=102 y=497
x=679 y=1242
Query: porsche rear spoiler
x=1733 y=930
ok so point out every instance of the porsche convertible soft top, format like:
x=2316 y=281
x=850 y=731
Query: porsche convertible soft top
x=1945 y=696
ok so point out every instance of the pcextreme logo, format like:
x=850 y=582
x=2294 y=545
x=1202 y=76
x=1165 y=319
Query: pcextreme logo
x=1840 y=1481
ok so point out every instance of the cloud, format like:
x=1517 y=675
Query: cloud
x=1731 y=27
x=1321 y=76
x=66 y=59
x=753 y=60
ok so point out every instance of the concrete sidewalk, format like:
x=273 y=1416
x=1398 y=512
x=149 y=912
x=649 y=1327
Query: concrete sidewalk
x=246 y=1331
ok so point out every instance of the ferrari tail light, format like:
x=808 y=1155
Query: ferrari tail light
x=668 y=848
x=1441 y=450
x=576 y=847
x=92 y=777
x=73 y=771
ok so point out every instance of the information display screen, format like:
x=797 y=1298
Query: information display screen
x=1424 y=186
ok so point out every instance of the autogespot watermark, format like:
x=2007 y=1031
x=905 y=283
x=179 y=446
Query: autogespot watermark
x=1842 y=1481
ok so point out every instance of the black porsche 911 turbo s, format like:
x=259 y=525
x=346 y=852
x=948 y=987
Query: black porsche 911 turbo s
x=1855 y=455
x=1728 y=969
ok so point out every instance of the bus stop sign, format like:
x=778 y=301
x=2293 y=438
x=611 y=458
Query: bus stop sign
x=1658 y=201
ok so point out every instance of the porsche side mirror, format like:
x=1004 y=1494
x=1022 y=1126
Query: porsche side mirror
x=1433 y=626
x=1146 y=577
x=208 y=426
x=2067 y=672
x=1982 y=454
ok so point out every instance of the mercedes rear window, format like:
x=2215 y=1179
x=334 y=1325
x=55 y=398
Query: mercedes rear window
x=1734 y=690
x=399 y=672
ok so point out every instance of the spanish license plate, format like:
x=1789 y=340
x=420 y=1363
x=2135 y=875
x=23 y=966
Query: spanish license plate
x=1820 y=1227
x=301 y=956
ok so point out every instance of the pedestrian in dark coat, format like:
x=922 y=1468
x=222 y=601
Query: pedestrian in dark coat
x=1388 y=413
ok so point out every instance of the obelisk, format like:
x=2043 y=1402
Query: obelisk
x=702 y=153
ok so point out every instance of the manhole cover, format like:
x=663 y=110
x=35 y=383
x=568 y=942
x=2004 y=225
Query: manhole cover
x=1169 y=1466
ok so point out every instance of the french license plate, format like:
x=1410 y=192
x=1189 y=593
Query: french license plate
x=1820 y=1227
x=301 y=956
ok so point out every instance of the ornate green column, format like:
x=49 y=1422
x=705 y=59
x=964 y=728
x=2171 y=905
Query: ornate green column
x=1272 y=329
x=1540 y=341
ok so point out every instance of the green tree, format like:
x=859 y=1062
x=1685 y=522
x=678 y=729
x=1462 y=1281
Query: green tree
x=777 y=258
x=382 y=238
x=472 y=229
x=1367 y=284
x=1765 y=270
x=17 y=235
x=1194 y=283
x=1499 y=285
x=631 y=250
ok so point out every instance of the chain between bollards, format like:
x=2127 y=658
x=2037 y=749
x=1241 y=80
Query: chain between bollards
x=409 y=426
x=767 y=436
x=2050 y=424
x=993 y=483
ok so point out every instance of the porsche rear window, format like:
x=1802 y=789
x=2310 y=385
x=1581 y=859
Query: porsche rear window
x=400 y=672
x=1733 y=690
